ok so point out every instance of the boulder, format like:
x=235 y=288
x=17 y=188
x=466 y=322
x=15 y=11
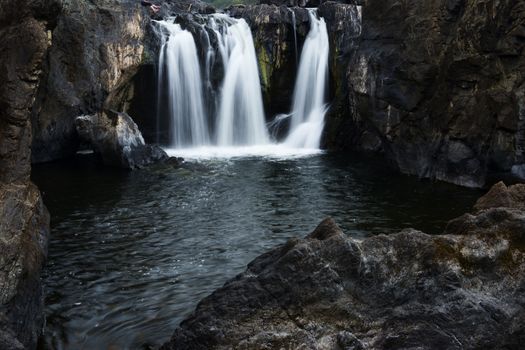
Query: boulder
x=117 y=139
x=463 y=289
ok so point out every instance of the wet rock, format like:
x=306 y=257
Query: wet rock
x=24 y=221
x=24 y=233
x=460 y=290
x=97 y=49
x=174 y=7
x=427 y=79
x=117 y=139
x=501 y=196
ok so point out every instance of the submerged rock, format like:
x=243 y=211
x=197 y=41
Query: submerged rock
x=118 y=140
x=460 y=290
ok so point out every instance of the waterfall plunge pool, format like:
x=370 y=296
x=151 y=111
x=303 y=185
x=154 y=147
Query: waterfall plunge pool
x=132 y=253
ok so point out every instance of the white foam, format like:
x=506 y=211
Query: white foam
x=273 y=151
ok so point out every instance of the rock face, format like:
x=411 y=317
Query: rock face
x=97 y=48
x=24 y=222
x=24 y=233
x=460 y=290
x=438 y=86
x=118 y=141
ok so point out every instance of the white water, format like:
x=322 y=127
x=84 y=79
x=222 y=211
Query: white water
x=271 y=151
x=309 y=107
x=294 y=24
x=180 y=62
x=241 y=118
x=238 y=127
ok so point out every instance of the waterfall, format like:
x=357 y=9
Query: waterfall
x=209 y=116
x=294 y=24
x=180 y=62
x=309 y=105
x=241 y=118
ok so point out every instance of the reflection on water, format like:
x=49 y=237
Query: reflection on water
x=131 y=254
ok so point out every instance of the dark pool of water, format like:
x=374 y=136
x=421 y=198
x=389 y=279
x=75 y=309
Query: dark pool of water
x=131 y=254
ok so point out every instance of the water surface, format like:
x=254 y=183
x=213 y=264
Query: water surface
x=132 y=253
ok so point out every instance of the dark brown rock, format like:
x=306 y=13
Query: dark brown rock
x=460 y=290
x=501 y=196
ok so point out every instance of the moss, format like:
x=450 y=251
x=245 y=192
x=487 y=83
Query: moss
x=265 y=68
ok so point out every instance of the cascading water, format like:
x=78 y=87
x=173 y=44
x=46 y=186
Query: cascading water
x=294 y=25
x=179 y=61
x=240 y=118
x=232 y=114
x=241 y=115
x=309 y=107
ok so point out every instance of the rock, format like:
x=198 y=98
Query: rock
x=518 y=170
x=440 y=84
x=24 y=233
x=97 y=48
x=175 y=7
x=24 y=221
x=292 y=3
x=501 y=196
x=118 y=140
x=460 y=290
x=21 y=66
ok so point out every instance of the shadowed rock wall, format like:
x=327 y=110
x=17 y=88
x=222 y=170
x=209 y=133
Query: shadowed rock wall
x=25 y=36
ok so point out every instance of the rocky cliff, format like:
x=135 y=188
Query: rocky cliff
x=463 y=289
x=437 y=86
x=25 y=32
x=97 y=48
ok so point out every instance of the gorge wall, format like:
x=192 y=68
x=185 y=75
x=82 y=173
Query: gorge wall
x=437 y=86
x=97 y=49
x=26 y=34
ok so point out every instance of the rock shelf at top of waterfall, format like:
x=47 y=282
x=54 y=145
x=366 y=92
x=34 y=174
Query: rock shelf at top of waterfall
x=213 y=119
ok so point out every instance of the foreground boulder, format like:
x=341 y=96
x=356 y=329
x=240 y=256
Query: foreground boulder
x=464 y=289
x=118 y=140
